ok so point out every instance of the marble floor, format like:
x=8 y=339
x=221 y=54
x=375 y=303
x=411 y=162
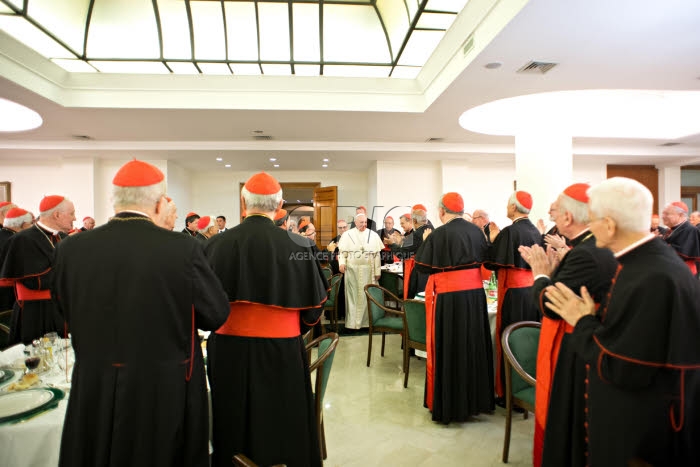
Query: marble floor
x=372 y=420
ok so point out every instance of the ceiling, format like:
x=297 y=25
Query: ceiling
x=597 y=44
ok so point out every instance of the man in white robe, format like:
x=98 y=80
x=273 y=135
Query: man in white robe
x=359 y=260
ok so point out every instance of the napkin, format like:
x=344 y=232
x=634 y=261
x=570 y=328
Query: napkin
x=9 y=356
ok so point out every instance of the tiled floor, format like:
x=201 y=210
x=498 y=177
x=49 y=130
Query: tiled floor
x=372 y=420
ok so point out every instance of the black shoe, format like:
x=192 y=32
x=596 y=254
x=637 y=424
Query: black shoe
x=501 y=402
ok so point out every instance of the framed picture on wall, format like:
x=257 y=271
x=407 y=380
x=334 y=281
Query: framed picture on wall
x=5 y=191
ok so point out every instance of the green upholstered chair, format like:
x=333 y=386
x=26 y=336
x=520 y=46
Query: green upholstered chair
x=414 y=332
x=520 y=341
x=326 y=344
x=327 y=272
x=331 y=304
x=4 y=336
x=394 y=284
x=381 y=318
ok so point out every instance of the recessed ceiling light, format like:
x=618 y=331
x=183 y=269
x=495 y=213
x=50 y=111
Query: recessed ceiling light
x=272 y=159
x=325 y=160
x=276 y=165
x=16 y=117
x=324 y=165
x=228 y=166
x=493 y=65
x=219 y=159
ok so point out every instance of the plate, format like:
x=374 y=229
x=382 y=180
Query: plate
x=17 y=404
x=6 y=375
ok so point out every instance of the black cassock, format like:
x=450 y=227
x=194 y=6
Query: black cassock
x=134 y=295
x=585 y=265
x=261 y=387
x=643 y=395
x=7 y=291
x=28 y=257
x=417 y=277
x=514 y=297
x=685 y=239
x=463 y=361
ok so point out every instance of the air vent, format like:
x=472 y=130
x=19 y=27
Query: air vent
x=537 y=67
x=435 y=140
x=669 y=144
x=468 y=45
x=262 y=137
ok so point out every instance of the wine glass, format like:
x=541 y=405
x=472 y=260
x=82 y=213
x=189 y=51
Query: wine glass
x=32 y=359
x=49 y=341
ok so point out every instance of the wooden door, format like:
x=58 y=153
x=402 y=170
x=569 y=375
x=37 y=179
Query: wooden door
x=647 y=175
x=325 y=214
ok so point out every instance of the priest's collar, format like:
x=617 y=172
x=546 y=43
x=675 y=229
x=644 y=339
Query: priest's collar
x=580 y=234
x=128 y=212
x=678 y=225
x=47 y=228
x=634 y=245
x=518 y=219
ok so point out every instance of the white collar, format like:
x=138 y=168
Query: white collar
x=47 y=228
x=634 y=245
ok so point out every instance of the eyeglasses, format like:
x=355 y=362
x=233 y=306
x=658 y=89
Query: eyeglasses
x=478 y=217
x=342 y=227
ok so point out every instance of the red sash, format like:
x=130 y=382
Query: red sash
x=25 y=294
x=508 y=278
x=407 y=268
x=692 y=266
x=256 y=320
x=485 y=274
x=443 y=282
x=7 y=283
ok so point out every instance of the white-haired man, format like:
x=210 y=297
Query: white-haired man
x=359 y=261
x=276 y=288
x=642 y=383
x=459 y=381
x=133 y=309
x=514 y=275
x=4 y=207
x=561 y=374
x=16 y=220
x=406 y=247
x=28 y=261
x=681 y=234
x=480 y=218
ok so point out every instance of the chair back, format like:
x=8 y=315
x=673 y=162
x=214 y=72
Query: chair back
x=414 y=316
x=375 y=302
x=327 y=272
x=391 y=282
x=335 y=287
x=4 y=336
x=327 y=344
x=520 y=342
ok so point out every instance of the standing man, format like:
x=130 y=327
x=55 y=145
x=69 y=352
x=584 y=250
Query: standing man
x=281 y=218
x=561 y=373
x=359 y=261
x=406 y=247
x=259 y=371
x=643 y=381
x=221 y=223
x=480 y=218
x=28 y=262
x=385 y=234
x=371 y=225
x=16 y=220
x=88 y=224
x=459 y=367
x=681 y=234
x=655 y=227
x=192 y=229
x=406 y=224
x=138 y=362
x=514 y=274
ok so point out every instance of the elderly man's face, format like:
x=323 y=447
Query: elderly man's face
x=388 y=223
x=89 y=223
x=342 y=227
x=480 y=219
x=671 y=216
x=65 y=217
x=361 y=223
x=311 y=232
x=695 y=218
x=406 y=224
x=600 y=227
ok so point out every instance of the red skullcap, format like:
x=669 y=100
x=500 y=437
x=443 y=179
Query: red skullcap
x=654 y=216
x=681 y=205
x=361 y=207
x=577 y=191
x=281 y=214
x=389 y=217
x=15 y=212
x=138 y=173
x=453 y=202
x=50 y=202
x=407 y=216
x=203 y=222
x=419 y=207
x=190 y=214
x=524 y=198
x=4 y=203
x=262 y=184
x=86 y=218
x=303 y=224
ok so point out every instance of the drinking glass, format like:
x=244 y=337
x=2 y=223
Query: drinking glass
x=32 y=359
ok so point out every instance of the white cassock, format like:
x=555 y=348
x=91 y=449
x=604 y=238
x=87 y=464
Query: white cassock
x=359 y=252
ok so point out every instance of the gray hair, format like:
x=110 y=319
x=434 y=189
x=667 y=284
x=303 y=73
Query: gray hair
x=419 y=216
x=59 y=207
x=264 y=203
x=17 y=222
x=125 y=196
x=518 y=207
x=578 y=210
x=626 y=201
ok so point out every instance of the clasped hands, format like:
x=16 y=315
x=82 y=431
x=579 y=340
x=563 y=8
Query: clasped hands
x=564 y=302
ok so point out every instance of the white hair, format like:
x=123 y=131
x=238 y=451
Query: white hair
x=626 y=201
x=361 y=214
x=419 y=216
x=578 y=210
x=147 y=196
x=264 y=203
x=17 y=222
x=518 y=207
x=59 y=207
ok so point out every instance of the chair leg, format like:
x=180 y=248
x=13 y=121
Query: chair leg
x=383 y=336
x=406 y=365
x=369 y=346
x=322 y=434
x=506 y=440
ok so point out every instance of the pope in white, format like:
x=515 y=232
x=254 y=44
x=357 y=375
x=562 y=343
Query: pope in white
x=359 y=260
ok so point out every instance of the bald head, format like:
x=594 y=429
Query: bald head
x=480 y=218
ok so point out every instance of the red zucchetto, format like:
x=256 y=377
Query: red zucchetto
x=281 y=214
x=15 y=213
x=262 y=184
x=419 y=207
x=524 y=198
x=138 y=173
x=50 y=202
x=680 y=205
x=203 y=222
x=578 y=192
x=453 y=202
